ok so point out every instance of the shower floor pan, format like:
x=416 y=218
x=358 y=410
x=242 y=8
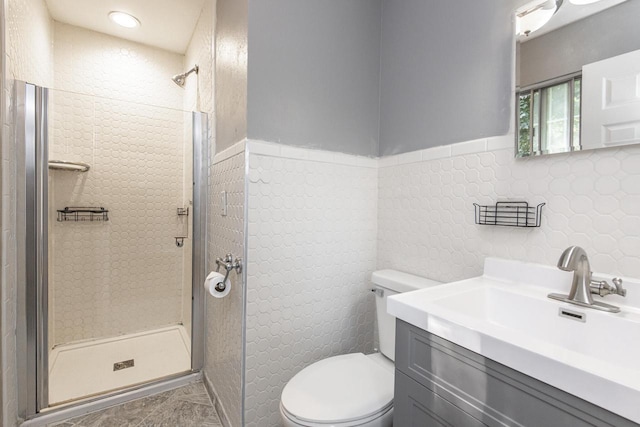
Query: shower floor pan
x=80 y=370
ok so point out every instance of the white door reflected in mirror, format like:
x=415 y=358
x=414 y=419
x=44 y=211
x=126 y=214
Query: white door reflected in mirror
x=611 y=109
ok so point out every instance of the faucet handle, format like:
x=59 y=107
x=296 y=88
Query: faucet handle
x=602 y=288
x=617 y=282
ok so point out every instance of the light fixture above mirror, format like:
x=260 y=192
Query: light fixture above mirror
x=535 y=15
x=582 y=2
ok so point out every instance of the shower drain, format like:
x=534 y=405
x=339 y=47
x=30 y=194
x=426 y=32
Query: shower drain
x=123 y=365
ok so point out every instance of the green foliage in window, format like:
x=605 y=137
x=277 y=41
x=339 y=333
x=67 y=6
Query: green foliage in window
x=549 y=118
x=524 y=124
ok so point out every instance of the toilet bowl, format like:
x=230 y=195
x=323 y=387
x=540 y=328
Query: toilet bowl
x=347 y=390
x=352 y=389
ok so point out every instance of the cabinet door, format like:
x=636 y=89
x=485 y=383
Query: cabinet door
x=417 y=406
x=484 y=389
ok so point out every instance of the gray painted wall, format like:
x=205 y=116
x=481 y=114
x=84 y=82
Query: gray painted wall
x=609 y=33
x=231 y=72
x=314 y=73
x=446 y=72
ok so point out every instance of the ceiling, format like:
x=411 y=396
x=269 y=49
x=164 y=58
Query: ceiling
x=569 y=13
x=166 y=24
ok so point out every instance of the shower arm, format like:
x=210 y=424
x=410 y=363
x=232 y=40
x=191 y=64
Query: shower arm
x=195 y=69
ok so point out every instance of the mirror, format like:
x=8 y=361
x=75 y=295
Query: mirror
x=578 y=78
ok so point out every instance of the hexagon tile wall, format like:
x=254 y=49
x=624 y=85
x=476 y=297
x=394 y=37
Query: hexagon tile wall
x=314 y=219
x=426 y=217
x=224 y=316
x=125 y=275
x=311 y=251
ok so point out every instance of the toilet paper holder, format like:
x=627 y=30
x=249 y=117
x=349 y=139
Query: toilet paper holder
x=229 y=263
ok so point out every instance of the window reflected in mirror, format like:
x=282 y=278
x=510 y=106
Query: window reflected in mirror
x=549 y=118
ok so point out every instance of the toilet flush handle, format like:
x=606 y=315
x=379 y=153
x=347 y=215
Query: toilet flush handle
x=378 y=291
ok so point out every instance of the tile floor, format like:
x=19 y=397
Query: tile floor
x=187 y=406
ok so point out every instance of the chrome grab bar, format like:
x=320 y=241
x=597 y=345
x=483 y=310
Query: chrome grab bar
x=64 y=165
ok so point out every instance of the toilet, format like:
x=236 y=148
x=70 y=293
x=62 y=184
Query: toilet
x=352 y=389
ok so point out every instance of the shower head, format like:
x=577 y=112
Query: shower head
x=180 y=79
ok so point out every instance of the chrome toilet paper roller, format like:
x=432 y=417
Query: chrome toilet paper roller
x=219 y=285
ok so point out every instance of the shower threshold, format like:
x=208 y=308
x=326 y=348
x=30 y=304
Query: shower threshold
x=81 y=370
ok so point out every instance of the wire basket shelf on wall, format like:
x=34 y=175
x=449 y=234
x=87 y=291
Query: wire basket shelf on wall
x=509 y=214
x=76 y=214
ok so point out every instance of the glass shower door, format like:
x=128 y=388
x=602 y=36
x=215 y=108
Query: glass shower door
x=119 y=244
x=112 y=298
x=119 y=287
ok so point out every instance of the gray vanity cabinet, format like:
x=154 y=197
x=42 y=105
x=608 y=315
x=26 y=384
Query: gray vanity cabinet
x=439 y=383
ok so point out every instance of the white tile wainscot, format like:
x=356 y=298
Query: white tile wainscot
x=311 y=251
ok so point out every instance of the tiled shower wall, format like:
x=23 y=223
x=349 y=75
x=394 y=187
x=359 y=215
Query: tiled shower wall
x=426 y=217
x=198 y=93
x=224 y=316
x=27 y=57
x=311 y=250
x=98 y=64
x=124 y=275
x=29 y=42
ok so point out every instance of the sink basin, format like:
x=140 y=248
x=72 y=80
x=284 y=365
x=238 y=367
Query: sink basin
x=591 y=354
x=533 y=316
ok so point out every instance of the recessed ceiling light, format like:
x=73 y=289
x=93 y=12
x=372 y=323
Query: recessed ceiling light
x=124 y=19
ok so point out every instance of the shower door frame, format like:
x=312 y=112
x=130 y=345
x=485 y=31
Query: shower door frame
x=32 y=175
x=32 y=246
x=200 y=176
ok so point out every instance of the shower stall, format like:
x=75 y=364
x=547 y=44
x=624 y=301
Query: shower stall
x=115 y=198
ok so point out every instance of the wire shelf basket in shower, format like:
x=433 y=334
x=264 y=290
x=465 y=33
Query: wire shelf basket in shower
x=76 y=214
x=509 y=214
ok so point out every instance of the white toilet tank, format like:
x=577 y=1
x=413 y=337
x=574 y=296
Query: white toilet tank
x=391 y=282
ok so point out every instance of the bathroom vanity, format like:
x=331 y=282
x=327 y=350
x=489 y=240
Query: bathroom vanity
x=439 y=383
x=495 y=350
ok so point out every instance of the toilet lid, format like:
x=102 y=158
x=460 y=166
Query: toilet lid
x=339 y=389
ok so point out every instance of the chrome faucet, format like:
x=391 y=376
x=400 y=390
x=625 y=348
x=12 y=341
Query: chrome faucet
x=583 y=285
